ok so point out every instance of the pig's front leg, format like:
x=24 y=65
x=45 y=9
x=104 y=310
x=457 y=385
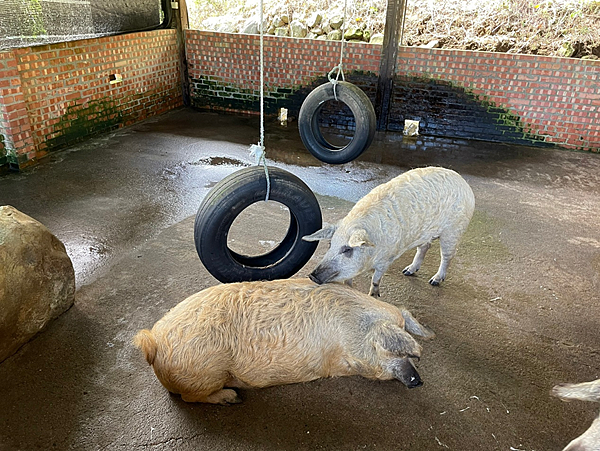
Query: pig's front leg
x=411 y=269
x=377 y=275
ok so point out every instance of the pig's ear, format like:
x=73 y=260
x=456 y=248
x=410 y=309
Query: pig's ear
x=396 y=340
x=324 y=234
x=415 y=327
x=359 y=237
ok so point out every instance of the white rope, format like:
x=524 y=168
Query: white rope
x=339 y=67
x=258 y=150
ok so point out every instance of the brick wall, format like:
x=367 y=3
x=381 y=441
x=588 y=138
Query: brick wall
x=224 y=69
x=532 y=98
x=479 y=95
x=55 y=95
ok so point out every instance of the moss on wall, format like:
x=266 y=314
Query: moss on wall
x=442 y=108
x=82 y=121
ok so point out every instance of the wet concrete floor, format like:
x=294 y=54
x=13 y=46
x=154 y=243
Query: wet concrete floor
x=518 y=313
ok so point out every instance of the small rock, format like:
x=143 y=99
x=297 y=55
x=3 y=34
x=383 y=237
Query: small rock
x=335 y=35
x=432 y=44
x=282 y=31
x=277 y=22
x=298 y=29
x=336 y=22
x=377 y=38
x=566 y=50
x=314 y=20
x=353 y=33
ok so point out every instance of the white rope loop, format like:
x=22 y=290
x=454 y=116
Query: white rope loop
x=258 y=150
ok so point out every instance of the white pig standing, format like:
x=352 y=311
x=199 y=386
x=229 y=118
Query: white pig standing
x=409 y=211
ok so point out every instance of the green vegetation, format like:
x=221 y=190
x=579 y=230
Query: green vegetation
x=33 y=11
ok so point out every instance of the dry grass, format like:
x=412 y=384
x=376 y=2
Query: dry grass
x=545 y=27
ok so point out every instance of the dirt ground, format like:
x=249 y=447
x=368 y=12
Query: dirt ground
x=518 y=313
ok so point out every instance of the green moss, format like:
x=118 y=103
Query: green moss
x=79 y=122
x=34 y=12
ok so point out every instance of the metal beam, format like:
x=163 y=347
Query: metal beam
x=394 y=22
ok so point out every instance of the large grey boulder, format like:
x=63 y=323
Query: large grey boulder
x=251 y=26
x=37 y=280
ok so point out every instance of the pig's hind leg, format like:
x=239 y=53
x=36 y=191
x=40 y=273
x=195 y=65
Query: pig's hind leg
x=224 y=397
x=448 y=244
x=411 y=269
x=206 y=385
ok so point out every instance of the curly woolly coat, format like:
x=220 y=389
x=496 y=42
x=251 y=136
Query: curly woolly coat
x=258 y=334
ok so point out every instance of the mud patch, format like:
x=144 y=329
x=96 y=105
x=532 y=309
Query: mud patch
x=218 y=161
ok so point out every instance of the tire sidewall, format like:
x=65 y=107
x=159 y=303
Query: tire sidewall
x=364 y=116
x=226 y=201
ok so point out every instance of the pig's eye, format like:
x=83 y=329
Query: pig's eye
x=347 y=251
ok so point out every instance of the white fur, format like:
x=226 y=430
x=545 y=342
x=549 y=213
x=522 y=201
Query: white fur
x=585 y=391
x=409 y=211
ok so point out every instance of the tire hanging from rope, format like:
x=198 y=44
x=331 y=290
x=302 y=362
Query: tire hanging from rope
x=236 y=192
x=353 y=97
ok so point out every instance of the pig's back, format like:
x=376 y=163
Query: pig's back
x=417 y=205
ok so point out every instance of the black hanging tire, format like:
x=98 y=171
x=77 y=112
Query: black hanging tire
x=364 y=117
x=228 y=198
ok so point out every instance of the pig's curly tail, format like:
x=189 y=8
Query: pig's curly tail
x=144 y=340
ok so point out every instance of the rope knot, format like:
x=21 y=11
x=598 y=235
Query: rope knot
x=335 y=81
x=258 y=152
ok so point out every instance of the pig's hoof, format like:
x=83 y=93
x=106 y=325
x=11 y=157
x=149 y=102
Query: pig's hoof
x=435 y=282
x=407 y=271
x=226 y=397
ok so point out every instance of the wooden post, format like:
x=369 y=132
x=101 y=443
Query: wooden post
x=182 y=23
x=389 y=55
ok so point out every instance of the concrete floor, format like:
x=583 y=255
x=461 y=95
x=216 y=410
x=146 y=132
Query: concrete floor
x=518 y=313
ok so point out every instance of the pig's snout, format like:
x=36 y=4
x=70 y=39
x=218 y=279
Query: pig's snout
x=405 y=372
x=312 y=276
x=322 y=275
x=414 y=381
